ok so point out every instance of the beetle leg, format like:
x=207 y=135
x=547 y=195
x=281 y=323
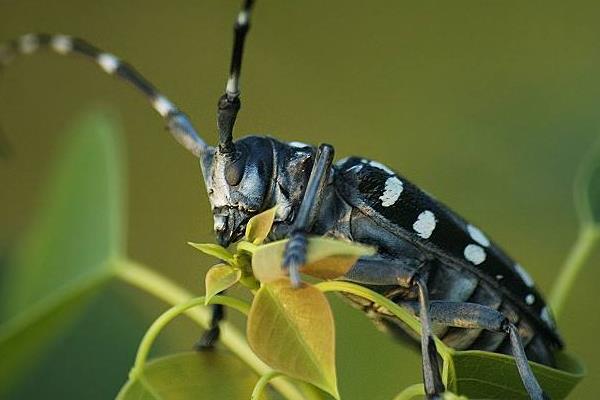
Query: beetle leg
x=295 y=251
x=379 y=270
x=408 y=273
x=477 y=316
x=211 y=336
x=431 y=369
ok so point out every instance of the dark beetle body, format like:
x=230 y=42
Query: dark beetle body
x=496 y=281
x=367 y=202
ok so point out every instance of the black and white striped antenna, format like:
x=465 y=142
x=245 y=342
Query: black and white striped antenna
x=178 y=123
x=229 y=103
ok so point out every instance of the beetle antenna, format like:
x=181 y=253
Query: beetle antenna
x=177 y=122
x=229 y=103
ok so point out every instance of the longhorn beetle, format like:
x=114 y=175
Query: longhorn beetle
x=430 y=260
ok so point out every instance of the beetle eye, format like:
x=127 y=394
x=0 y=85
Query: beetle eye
x=234 y=170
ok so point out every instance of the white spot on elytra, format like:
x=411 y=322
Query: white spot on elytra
x=547 y=317
x=28 y=43
x=162 y=105
x=391 y=193
x=380 y=166
x=298 y=144
x=478 y=236
x=499 y=277
x=524 y=275
x=108 y=62
x=425 y=224
x=475 y=254
x=62 y=44
x=530 y=299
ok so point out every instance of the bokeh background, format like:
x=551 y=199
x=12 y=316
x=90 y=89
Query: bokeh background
x=489 y=105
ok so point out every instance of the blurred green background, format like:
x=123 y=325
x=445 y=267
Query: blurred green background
x=489 y=105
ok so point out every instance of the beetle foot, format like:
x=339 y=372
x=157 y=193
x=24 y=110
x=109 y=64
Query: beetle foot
x=295 y=257
x=208 y=339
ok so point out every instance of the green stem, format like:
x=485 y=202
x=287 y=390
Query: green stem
x=580 y=252
x=155 y=284
x=357 y=290
x=262 y=383
x=411 y=392
x=158 y=325
x=410 y=320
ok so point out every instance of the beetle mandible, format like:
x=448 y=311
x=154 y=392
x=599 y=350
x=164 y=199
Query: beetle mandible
x=464 y=288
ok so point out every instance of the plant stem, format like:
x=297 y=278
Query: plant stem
x=410 y=320
x=411 y=392
x=579 y=254
x=166 y=317
x=262 y=383
x=155 y=284
x=352 y=288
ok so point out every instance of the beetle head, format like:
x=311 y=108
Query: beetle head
x=238 y=183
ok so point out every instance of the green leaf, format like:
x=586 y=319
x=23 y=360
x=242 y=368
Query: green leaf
x=587 y=188
x=260 y=225
x=478 y=374
x=193 y=376
x=292 y=331
x=326 y=258
x=220 y=277
x=70 y=250
x=214 y=250
x=451 y=396
x=410 y=392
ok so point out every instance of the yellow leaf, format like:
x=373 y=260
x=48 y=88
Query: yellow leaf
x=292 y=331
x=220 y=277
x=214 y=250
x=259 y=226
x=326 y=258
